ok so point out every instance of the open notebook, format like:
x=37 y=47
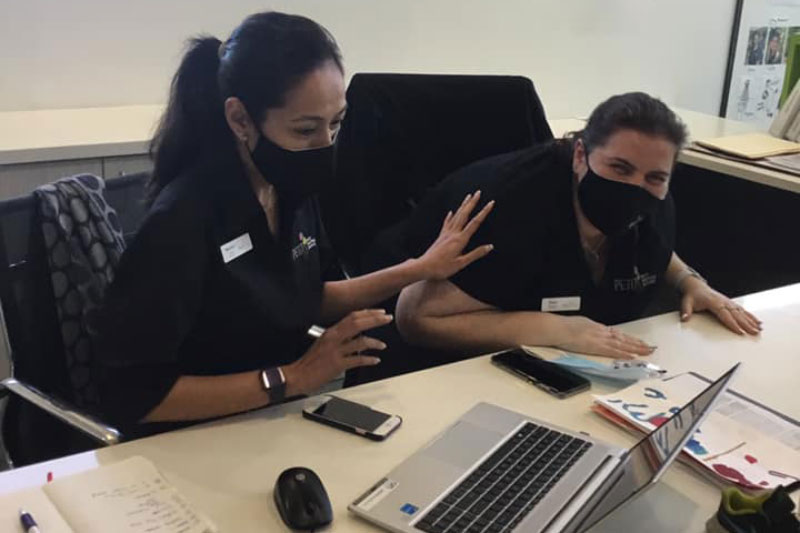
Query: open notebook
x=126 y=497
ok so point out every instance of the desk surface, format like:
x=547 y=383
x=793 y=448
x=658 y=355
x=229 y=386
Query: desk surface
x=228 y=468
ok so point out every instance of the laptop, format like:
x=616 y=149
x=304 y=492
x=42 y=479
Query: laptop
x=497 y=471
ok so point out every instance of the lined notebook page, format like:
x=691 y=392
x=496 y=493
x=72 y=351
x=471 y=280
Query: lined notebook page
x=35 y=502
x=126 y=497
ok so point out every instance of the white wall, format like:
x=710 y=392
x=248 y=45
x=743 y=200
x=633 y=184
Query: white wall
x=82 y=53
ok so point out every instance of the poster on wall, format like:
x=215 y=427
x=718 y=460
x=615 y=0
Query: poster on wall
x=759 y=85
x=758 y=67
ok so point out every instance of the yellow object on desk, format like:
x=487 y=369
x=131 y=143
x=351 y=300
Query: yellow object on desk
x=750 y=145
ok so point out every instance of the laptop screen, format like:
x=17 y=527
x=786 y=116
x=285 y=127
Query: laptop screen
x=653 y=454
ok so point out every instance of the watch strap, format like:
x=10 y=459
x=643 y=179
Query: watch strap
x=274 y=382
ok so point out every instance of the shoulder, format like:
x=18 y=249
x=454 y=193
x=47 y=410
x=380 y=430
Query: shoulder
x=529 y=177
x=507 y=173
x=177 y=219
x=186 y=202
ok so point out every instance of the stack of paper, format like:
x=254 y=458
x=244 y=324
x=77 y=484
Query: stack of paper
x=750 y=145
x=741 y=442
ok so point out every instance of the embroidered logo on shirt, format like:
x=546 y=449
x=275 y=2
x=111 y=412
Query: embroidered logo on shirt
x=304 y=247
x=636 y=283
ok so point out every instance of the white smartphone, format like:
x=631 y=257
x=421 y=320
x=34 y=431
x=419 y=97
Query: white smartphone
x=352 y=417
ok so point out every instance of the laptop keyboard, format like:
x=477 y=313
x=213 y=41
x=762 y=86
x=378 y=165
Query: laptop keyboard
x=505 y=487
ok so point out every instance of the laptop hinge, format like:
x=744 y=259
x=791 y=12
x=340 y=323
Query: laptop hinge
x=588 y=490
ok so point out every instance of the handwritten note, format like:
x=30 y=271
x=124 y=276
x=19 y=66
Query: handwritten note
x=127 y=497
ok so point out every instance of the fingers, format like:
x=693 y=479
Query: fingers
x=357 y=322
x=626 y=343
x=477 y=220
x=725 y=316
x=354 y=361
x=474 y=255
x=447 y=220
x=466 y=208
x=737 y=319
x=746 y=321
x=752 y=317
x=610 y=342
x=687 y=308
x=362 y=343
x=613 y=348
x=617 y=353
x=633 y=345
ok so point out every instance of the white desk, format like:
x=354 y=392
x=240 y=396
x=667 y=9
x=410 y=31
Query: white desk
x=228 y=468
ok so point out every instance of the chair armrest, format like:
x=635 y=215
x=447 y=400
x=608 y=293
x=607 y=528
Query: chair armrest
x=94 y=428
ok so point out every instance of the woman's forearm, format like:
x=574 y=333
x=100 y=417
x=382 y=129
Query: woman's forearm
x=342 y=297
x=485 y=330
x=200 y=397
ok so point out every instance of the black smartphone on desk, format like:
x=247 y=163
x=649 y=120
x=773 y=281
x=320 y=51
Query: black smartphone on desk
x=550 y=377
x=352 y=417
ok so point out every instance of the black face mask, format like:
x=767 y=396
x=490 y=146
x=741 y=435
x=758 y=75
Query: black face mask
x=612 y=206
x=296 y=175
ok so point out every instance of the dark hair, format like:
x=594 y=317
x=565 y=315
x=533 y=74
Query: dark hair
x=635 y=111
x=264 y=58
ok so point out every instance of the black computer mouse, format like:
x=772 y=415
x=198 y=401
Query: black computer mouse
x=301 y=499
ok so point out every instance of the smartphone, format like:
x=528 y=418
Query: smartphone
x=550 y=377
x=352 y=417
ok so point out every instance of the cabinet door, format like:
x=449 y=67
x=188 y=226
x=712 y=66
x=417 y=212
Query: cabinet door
x=115 y=167
x=21 y=179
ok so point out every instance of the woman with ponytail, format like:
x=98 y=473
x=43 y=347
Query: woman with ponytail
x=211 y=303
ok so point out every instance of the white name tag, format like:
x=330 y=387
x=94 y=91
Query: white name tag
x=556 y=305
x=238 y=246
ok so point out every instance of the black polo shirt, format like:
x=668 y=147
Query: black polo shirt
x=205 y=289
x=538 y=260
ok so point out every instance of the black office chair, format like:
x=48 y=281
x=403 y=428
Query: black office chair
x=40 y=421
x=403 y=134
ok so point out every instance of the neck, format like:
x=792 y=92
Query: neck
x=264 y=191
x=590 y=235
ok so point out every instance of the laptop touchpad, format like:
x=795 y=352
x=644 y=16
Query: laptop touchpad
x=463 y=444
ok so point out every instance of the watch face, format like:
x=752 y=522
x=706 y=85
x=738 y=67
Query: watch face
x=265 y=380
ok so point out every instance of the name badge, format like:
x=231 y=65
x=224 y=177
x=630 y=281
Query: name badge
x=235 y=248
x=557 y=305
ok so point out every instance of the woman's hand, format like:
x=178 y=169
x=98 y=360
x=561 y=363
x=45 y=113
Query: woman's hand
x=337 y=350
x=592 y=338
x=444 y=257
x=698 y=296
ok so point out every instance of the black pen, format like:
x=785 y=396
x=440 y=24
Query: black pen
x=28 y=523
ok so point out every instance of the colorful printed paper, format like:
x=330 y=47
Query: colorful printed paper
x=740 y=441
